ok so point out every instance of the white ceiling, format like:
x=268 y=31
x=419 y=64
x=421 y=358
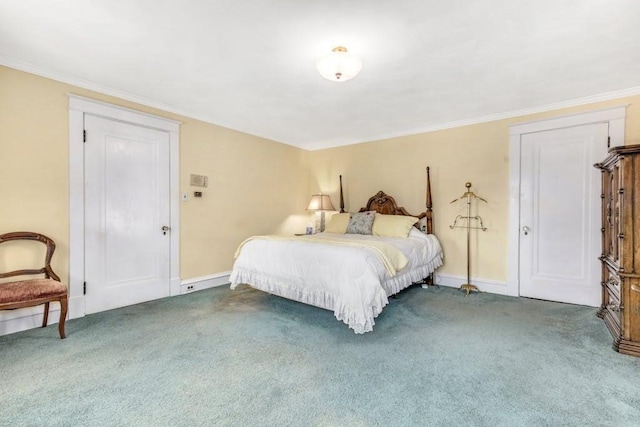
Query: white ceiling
x=250 y=65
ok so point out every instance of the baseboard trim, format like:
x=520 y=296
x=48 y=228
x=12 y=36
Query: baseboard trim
x=22 y=319
x=485 y=285
x=204 y=282
x=31 y=317
x=76 y=307
x=175 y=286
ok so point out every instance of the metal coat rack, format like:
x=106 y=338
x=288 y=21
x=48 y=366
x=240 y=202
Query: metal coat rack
x=470 y=223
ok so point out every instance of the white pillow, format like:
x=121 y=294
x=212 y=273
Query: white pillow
x=393 y=225
x=337 y=223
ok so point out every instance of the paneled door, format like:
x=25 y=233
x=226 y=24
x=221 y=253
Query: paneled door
x=560 y=236
x=127 y=214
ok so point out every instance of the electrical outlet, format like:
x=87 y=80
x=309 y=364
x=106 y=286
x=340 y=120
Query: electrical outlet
x=190 y=287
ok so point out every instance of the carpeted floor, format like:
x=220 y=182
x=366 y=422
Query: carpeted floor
x=246 y=358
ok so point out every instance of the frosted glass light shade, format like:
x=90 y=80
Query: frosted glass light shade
x=339 y=66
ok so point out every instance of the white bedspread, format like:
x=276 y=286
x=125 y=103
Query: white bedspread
x=351 y=281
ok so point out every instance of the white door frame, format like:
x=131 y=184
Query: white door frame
x=78 y=107
x=614 y=116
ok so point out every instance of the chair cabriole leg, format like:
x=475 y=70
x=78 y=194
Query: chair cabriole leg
x=63 y=315
x=45 y=319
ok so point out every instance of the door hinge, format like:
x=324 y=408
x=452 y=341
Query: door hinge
x=84 y=135
x=608 y=142
x=84 y=288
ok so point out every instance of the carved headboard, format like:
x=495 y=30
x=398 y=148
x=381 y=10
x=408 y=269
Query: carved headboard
x=385 y=204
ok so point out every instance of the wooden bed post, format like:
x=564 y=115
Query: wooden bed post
x=429 y=205
x=430 y=280
x=341 y=197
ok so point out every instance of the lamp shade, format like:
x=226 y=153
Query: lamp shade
x=320 y=202
x=339 y=65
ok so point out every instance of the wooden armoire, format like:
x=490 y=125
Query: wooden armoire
x=620 y=257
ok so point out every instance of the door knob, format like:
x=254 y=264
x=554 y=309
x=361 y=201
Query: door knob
x=165 y=229
x=526 y=230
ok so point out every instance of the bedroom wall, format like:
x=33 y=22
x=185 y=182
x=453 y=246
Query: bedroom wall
x=256 y=186
x=478 y=153
x=259 y=186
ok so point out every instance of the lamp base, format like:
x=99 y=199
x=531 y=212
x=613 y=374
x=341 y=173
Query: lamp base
x=320 y=222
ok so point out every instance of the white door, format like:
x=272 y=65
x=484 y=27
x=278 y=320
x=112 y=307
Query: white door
x=560 y=224
x=127 y=190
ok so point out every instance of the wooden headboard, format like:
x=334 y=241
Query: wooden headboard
x=385 y=204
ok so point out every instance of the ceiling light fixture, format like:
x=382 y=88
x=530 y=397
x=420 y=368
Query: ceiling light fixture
x=339 y=66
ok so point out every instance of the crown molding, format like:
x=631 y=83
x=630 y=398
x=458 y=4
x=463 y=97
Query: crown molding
x=97 y=87
x=318 y=145
x=607 y=96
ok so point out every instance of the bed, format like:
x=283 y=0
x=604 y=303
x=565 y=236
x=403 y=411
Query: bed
x=352 y=275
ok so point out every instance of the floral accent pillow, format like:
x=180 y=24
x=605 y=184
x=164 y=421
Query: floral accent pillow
x=361 y=222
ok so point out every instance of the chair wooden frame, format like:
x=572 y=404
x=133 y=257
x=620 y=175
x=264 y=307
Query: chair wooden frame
x=48 y=272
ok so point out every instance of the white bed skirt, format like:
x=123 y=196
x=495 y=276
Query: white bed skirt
x=360 y=324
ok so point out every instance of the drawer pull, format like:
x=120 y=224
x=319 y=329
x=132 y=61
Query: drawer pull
x=614 y=307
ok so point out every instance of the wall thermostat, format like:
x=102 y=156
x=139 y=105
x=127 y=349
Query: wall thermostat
x=199 y=180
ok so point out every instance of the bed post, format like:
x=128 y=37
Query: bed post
x=429 y=205
x=341 y=197
x=429 y=281
x=428 y=216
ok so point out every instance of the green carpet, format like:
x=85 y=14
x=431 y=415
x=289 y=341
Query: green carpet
x=246 y=358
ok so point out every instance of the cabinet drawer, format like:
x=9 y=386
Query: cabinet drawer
x=612 y=304
x=612 y=282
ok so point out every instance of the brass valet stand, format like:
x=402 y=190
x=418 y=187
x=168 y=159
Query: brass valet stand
x=469 y=195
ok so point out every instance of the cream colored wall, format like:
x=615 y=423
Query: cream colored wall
x=256 y=186
x=477 y=153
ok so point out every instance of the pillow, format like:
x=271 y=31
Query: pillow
x=337 y=223
x=361 y=222
x=393 y=225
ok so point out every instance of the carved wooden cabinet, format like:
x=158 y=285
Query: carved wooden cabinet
x=620 y=257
